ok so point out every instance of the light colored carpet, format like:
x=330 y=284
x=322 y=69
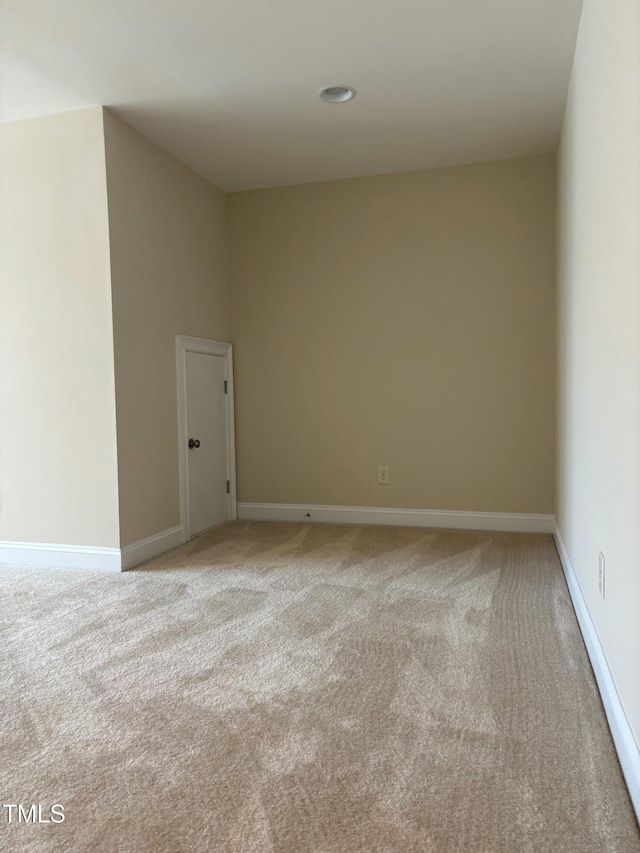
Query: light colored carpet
x=326 y=688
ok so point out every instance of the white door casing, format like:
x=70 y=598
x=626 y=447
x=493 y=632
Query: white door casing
x=203 y=368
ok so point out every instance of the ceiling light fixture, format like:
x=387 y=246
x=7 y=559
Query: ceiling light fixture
x=337 y=94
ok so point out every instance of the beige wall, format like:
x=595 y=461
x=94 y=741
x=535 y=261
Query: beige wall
x=169 y=276
x=57 y=421
x=402 y=320
x=598 y=505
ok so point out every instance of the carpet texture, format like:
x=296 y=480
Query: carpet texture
x=297 y=687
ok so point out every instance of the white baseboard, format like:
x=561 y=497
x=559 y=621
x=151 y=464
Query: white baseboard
x=621 y=732
x=47 y=556
x=510 y=522
x=153 y=546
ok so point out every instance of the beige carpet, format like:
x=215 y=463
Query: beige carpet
x=283 y=687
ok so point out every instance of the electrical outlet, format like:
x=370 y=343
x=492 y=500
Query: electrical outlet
x=383 y=475
x=601 y=573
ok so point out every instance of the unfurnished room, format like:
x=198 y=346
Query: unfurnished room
x=320 y=426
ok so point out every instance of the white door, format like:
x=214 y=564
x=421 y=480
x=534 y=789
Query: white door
x=206 y=441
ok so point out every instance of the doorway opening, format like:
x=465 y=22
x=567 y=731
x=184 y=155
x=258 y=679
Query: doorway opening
x=206 y=434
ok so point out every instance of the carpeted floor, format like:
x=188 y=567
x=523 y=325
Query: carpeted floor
x=326 y=688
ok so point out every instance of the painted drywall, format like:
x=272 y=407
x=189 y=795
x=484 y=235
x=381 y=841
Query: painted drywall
x=167 y=229
x=401 y=320
x=598 y=503
x=57 y=429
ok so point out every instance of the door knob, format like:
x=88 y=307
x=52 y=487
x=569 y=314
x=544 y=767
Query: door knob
x=193 y=442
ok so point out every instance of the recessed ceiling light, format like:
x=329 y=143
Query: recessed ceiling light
x=337 y=94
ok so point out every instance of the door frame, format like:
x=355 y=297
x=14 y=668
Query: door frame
x=185 y=344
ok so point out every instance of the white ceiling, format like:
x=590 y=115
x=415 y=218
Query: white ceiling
x=229 y=86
